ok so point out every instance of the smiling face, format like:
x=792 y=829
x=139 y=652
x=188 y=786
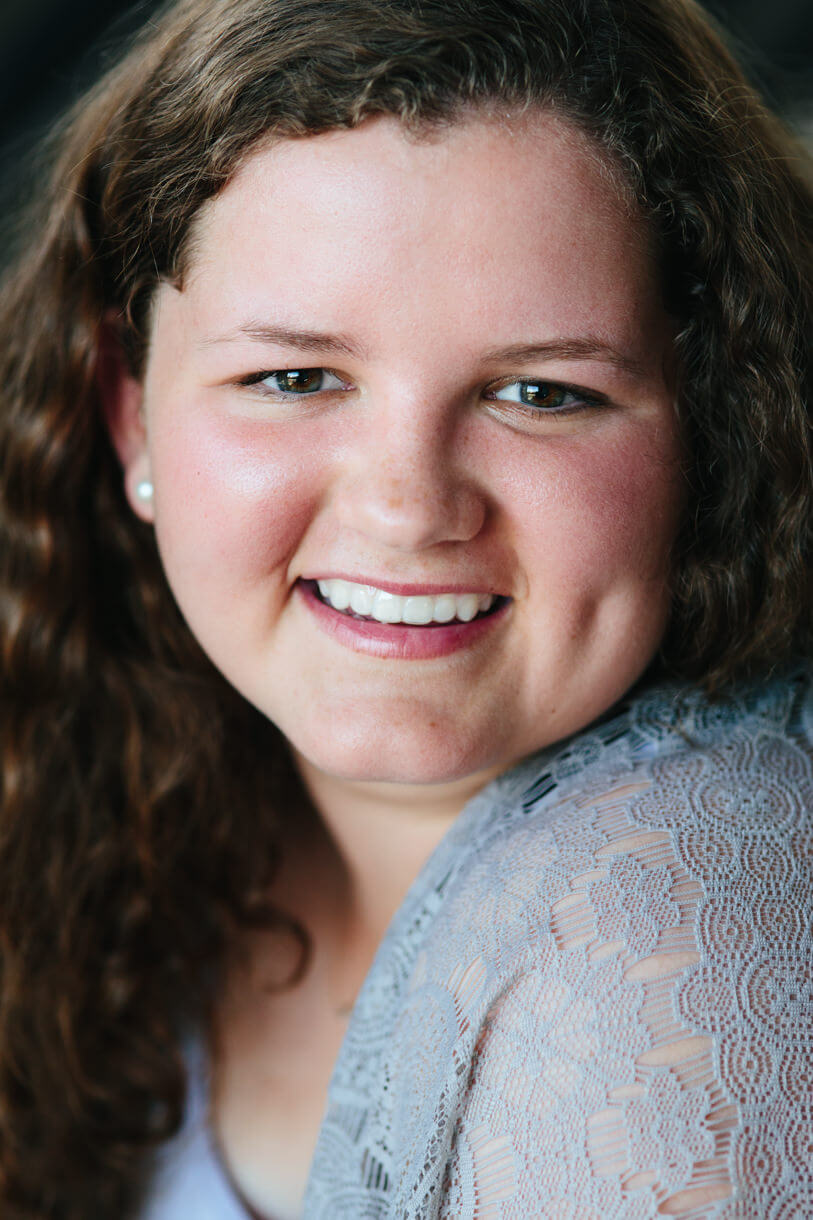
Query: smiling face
x=438 y=367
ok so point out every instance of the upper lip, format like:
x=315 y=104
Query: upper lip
x=425 y=589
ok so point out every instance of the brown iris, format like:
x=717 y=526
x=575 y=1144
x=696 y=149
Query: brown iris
x=542 y=394
x=299 y=381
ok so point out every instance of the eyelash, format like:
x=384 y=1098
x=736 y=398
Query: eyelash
x=584 y=399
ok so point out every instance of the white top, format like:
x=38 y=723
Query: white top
x=190 y=1182
x=595 y=998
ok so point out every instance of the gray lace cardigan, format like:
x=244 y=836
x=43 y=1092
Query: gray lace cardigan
x=596 y=998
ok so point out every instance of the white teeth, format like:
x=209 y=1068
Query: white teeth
x=361 y=599
x=387 y=607
x=467 y=606
x=446 y=607
x=419 y=610
x=339 y=597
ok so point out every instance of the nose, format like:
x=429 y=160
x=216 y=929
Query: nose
x=405 y=483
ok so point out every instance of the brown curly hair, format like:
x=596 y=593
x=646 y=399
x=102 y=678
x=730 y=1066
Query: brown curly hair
x=141 y=795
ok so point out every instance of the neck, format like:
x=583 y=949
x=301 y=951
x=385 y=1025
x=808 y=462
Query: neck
x=377 y=837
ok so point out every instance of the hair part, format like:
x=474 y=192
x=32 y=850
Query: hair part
x=132 y=771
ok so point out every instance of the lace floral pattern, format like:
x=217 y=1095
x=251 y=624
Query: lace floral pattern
x=596 y=1002
x=597 y=999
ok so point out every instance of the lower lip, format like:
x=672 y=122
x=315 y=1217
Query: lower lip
x=397 y=641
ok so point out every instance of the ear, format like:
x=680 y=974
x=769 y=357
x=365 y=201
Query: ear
x=122 y=399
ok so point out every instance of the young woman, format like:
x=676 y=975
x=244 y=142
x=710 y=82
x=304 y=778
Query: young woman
x=406 y=589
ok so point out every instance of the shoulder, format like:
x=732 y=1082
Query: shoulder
x=673 y=811
x=670 y=765
x=633 y=951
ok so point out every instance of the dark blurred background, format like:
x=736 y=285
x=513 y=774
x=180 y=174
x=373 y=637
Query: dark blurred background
x=51 y=49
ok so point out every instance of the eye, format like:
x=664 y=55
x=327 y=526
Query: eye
x=286 y=383
x=545 y=396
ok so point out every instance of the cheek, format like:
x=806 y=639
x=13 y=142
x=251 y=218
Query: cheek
x=232 y=496
x=598 y=519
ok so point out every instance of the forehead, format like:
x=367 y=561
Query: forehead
x=480 y=218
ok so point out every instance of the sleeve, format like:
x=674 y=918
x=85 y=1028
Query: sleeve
x=654 y=1053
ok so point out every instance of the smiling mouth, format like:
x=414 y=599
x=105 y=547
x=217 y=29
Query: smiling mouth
x=371 y=604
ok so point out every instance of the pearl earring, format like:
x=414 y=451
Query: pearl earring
x=144 y=491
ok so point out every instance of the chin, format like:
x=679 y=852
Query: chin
x=425 y=755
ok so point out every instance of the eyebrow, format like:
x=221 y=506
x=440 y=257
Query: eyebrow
x=286 y=336
x=587 y=347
